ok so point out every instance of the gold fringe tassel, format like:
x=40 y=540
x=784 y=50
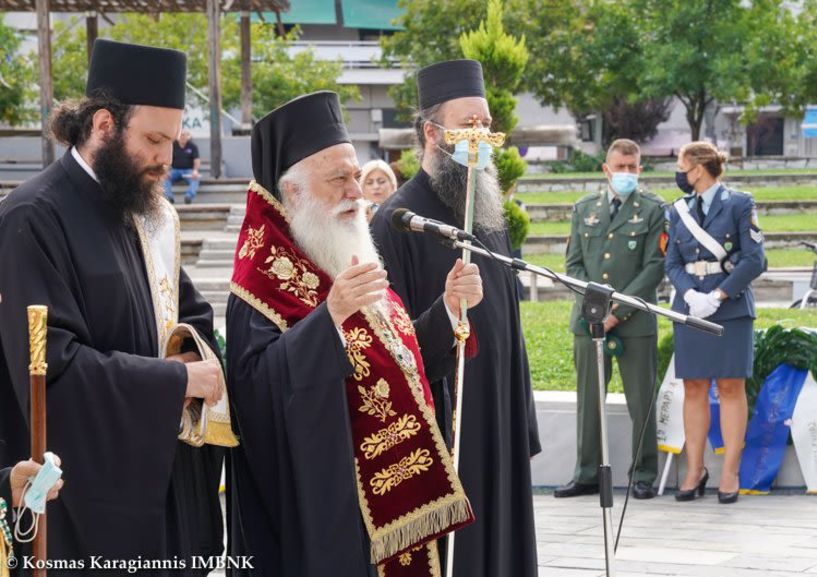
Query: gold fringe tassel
x=220 y=434
x=424 y=526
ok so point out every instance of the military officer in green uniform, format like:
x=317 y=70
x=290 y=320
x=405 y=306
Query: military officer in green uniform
x=617 y=237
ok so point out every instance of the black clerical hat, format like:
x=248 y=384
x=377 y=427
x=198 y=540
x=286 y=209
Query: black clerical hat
x=448 y=80
x=135 y=74
x=293 y=131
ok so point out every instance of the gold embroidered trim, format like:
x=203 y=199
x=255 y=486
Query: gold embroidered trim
x=410 y=466
x=404 y=428
x=432 y=517
x=294 y=274
x=259 y=305
x=269 y=197
x=253 y=242
x=376 y=401
x=356 y=340
x=162 y=327
x=402 y=321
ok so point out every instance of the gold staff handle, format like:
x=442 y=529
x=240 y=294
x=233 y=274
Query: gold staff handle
x=474 y=136
x=37 y=332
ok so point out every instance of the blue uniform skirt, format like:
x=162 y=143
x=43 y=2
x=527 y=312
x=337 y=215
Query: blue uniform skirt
x=699 y=355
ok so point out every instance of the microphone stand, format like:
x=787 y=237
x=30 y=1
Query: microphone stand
x=598 y=300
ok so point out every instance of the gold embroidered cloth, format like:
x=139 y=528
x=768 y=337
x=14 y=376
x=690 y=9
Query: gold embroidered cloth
x=408 y=490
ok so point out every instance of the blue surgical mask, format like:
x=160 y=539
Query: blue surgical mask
x=460 y=155
x=682 y=181
x=624 y=183
x=484 y=153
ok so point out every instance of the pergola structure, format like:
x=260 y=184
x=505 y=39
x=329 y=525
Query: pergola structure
x=93 y=8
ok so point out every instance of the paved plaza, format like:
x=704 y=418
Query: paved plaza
x=759 y=536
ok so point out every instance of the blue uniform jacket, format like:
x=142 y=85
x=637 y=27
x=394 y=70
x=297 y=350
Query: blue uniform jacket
x=732 y=222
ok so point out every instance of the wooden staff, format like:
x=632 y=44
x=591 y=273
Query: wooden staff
x=474 y=136
x=37 y=317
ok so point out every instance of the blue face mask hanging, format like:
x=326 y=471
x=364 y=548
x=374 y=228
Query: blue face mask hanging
x=460 y=155
x=484 y=153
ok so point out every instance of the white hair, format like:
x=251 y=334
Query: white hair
x=380 y=165
x=328 y=241
x=294 y=176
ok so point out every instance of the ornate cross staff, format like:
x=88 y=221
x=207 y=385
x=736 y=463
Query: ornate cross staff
x=474 y=136
x=37 y=330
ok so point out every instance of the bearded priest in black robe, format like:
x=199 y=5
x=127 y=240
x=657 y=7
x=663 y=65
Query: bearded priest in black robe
x=92 y=238
x=342 y=470
x=499 y=429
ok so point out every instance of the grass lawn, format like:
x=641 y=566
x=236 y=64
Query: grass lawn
x=770 y=223
x=778 y=258
x=550 y=342
x=668 y=174
x=763 y=194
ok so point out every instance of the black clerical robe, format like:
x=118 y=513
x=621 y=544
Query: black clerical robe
x=113 y=407
x=499 y=429
x=294 y=499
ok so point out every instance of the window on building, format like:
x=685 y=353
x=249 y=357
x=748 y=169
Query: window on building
x=765 y=137
x=390 y=119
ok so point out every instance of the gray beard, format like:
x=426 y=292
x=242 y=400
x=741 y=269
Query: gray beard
x=449 y=180
x=327 y=241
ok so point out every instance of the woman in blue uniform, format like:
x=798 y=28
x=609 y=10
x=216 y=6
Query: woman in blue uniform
x=714 y=253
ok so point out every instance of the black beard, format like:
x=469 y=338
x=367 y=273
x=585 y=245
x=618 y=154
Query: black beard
x=449 y=180
x=125 y=186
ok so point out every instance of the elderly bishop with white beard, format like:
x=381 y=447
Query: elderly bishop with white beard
x=342 y=469
x=499 y=430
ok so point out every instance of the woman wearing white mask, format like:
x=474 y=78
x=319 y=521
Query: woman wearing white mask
x=715 y=252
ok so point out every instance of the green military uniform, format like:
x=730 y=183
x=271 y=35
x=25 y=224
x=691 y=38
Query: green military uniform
x=627 y=254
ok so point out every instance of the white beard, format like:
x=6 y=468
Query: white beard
x=328 y=241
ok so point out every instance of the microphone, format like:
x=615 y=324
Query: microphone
x=404 y=220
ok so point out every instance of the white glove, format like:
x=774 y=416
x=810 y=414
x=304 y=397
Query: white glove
x=699 y=304
x=714 y=300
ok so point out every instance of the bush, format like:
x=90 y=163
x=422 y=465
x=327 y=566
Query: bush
x=579 y=162
x=518 y=223
x=409 y=164
x=510 y=167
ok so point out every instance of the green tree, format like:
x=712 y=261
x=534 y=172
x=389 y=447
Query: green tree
x=17 y=93
x=431 y=33
x=503 y=59
x=692 y=50
x=782 y=57
x=277 y=76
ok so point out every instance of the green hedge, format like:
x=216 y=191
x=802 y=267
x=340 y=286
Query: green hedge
x=550 y=342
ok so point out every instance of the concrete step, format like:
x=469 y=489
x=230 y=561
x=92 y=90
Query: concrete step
x=214 y=263
x=203 y=216
x=745 y=181
x=216 y=254
x=562 y=211
x=558 y=243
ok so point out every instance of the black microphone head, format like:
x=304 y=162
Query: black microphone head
x=400 y=219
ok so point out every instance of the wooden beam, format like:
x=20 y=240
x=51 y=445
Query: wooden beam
x=91 y=32
x=246 y=75
x=46 y=86
x=214 y=38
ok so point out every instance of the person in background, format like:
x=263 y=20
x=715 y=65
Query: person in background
x=378 y=182
x=615 y=239
x=716 y=287
x=500 y=433
x=185 y=167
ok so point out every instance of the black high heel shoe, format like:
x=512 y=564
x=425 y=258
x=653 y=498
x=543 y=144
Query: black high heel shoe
x=690 y=494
